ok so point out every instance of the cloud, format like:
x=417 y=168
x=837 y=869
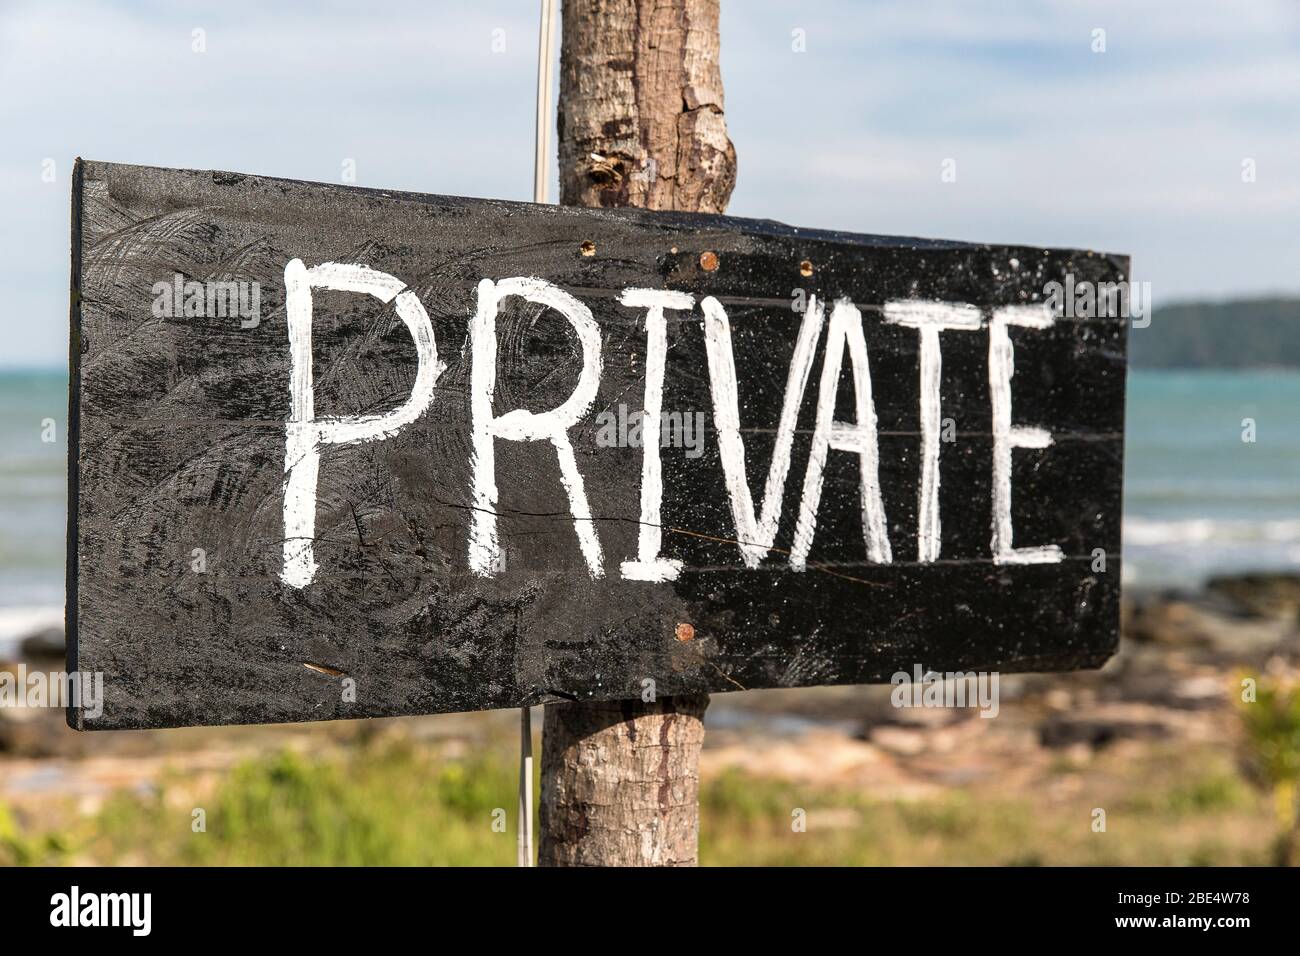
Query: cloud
x=1137 y=149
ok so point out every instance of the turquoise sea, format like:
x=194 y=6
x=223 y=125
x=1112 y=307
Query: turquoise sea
x=33 y=495
x=1199 y=499
x=1212 y=474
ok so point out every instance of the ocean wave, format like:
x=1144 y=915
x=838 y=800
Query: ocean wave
x=1150 y=532
x=17 y=623
x=1212 y=492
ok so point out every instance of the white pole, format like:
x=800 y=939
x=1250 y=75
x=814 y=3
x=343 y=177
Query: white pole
x=542 y=142
x=545 y=76
x=525 y=857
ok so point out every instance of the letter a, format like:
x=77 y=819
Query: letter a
x=859 y=437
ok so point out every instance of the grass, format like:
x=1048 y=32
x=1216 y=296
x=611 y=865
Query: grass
x=1271 y=721
x=391 y=805
x=19 y=849
x=402 y=803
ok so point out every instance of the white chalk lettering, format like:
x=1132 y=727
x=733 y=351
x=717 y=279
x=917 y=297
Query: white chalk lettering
x=929 y=319
x=305 y=435
x=755 y=535
x=1002 y=366
x=756 y=523
x=523 y=425
x=859 y=437
x=650 y=565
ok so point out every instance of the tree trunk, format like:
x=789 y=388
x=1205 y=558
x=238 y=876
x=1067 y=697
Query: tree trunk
x=641 y=124
x=641 y=120
x=621 y=782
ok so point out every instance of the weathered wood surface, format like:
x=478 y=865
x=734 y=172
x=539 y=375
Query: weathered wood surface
x=178 y=431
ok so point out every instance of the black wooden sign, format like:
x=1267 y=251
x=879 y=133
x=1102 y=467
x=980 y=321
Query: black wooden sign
x=341 y=452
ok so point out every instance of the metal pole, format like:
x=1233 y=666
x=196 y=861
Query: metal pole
x=542 y=144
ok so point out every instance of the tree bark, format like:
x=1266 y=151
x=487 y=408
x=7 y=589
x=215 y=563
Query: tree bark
x=621 y=782
x=641 y=121
x=641 y=124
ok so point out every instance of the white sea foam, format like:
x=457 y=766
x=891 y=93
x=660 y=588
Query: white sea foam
x=17 y=623
x=1149 y=532
x=1184 y=552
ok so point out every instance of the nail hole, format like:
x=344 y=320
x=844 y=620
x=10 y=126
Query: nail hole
x=685 y=632
x=805 y=268
x=588 y=248
x=709 y=261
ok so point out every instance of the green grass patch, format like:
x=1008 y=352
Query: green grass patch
x=399 y=803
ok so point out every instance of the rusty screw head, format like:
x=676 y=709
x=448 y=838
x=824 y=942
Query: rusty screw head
x=709 y=261
x=685 y=632
x=805 y=268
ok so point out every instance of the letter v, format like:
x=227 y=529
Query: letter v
x=755 y=535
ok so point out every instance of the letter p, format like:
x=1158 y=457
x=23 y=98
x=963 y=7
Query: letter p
x=306 y=435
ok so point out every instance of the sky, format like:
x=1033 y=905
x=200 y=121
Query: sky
x=1165 y=129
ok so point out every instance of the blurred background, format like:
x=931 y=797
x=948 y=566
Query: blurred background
x=1165 y=130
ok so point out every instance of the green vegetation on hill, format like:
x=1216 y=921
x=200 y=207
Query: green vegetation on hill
x=1253 y=333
